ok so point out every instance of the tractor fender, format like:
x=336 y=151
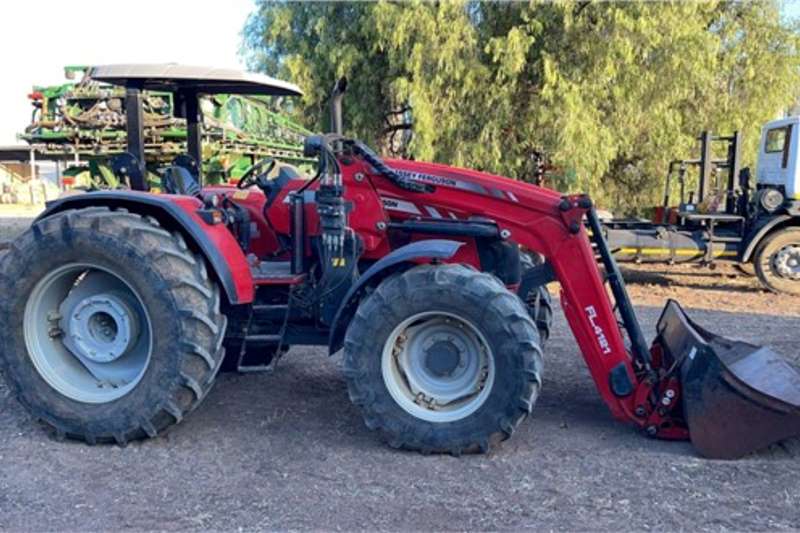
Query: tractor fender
x=227 y=262
x=759 y=232
x=398 y=260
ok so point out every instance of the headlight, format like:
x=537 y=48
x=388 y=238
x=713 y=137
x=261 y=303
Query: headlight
x=770 y=199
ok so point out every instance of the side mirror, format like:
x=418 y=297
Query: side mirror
x=337 y=96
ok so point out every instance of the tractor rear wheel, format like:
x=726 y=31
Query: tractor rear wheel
x=443 y=359
x=112 y=327
x=777 y=261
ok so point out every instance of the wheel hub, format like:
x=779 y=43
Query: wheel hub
x=787 y=262
x=442 y=358
x=438 y=367
x=100 y=328
x=88 y=333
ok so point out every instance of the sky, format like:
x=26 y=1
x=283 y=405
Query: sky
x=791 y=8
x=39 y=37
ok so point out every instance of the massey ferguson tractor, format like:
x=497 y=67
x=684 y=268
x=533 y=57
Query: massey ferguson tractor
x=116 y=306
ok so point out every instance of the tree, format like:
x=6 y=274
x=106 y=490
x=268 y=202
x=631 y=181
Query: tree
x=610 y=92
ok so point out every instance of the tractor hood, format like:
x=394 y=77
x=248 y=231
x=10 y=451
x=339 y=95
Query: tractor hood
x=475 y=181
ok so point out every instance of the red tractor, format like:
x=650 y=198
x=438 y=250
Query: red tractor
x=117 y=306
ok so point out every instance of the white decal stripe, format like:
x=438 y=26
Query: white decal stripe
x=432 y=211
x=393 y=204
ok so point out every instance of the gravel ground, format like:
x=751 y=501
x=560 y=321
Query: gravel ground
x=11 y=223
x=287 y=451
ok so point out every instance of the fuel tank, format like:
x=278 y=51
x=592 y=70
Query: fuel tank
x=661 y=244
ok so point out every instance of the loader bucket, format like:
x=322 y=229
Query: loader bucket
x=737 y=397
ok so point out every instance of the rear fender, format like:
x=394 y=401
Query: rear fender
x=227 y=262
x=398 y=260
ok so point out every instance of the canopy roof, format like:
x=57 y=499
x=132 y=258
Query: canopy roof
x=172 y=77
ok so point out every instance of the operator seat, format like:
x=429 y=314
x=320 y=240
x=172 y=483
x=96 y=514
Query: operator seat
x=181 y=177
x=282 y=174
x=178 y=180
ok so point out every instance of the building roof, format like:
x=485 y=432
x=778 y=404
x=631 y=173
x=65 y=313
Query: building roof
x=172 y=77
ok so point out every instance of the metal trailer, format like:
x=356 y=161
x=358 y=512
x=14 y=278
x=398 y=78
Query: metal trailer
x=81 y=126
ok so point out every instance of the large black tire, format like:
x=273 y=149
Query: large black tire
x=538 y=300
x=174 y=287
x=769 y=273
x=482 y=302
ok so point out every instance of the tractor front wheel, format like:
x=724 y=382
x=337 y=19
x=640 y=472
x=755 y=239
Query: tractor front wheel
x=112 y=326
x=443 y=359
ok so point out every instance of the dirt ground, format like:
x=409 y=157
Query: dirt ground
x=287 y=451
x=14 y=219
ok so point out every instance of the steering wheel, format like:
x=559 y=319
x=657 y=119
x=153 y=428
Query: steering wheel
x=253 y=174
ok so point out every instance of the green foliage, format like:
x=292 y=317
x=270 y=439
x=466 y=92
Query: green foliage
x=610 y=92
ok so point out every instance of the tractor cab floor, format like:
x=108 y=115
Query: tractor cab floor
x=275 y=273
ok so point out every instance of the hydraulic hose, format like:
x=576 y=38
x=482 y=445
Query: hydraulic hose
x=377 y=163
x=638 y=343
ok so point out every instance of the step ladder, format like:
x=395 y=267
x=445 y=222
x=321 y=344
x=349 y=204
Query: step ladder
x=271 y=340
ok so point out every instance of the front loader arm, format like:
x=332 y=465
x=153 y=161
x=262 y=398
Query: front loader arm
x=588 y=308
x=551 y=225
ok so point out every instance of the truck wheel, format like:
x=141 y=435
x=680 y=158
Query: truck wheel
x=538 y=300
x=777 y=261
x=112 y=327
x=442 y=359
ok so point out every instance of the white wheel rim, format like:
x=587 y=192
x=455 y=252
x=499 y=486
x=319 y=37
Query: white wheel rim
x=786 y=262
x=88 y=333
x=438 y=366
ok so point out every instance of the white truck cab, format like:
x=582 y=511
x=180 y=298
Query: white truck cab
x=777 y=157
